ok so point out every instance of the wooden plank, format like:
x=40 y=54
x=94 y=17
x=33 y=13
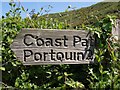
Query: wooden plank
x=36 y=46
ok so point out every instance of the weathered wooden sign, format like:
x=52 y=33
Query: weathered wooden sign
x=36 y=46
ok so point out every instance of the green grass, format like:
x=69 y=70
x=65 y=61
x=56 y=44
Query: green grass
x=87 y=15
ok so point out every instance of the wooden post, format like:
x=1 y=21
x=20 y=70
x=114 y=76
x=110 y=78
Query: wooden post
x=116 y=31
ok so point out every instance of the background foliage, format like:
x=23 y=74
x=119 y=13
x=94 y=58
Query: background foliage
x=86 y=15
x=105 y=73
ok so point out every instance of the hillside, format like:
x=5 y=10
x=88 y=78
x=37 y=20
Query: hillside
x=87 y=15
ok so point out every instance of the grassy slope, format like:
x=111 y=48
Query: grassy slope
x=87 y=15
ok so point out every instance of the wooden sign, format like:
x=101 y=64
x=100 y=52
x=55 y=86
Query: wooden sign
x=36 y=46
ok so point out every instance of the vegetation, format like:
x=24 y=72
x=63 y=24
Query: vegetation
x=105 y=73
x=86 y=15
